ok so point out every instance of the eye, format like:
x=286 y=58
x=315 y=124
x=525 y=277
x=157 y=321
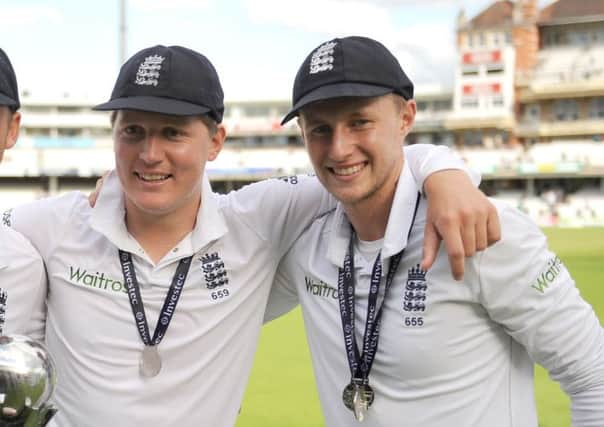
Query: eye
x=131 y=132
x=321 y=130
x=172 y=132
x=359 y=123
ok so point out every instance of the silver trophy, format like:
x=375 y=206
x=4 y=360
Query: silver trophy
x=27 y=380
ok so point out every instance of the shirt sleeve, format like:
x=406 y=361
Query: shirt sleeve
x=281 y=209
x=283 y=296
x=23 y=286
x=425 y=159
x=43 y=222
x=526 y=288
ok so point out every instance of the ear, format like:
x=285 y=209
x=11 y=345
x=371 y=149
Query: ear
x=299 y=122
x=408 y=112
x=217 y=142
x=13 y=130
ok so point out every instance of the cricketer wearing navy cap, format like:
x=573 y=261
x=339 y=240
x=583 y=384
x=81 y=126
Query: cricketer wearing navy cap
x=21 y=308
x=448 y=355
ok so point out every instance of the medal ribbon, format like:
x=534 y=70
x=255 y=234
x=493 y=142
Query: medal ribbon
x=136 y=302
x=360 y=364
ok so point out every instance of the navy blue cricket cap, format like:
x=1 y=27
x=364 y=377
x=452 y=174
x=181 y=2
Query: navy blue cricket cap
x=9 y=92
x=169 y=80
x=348 y=67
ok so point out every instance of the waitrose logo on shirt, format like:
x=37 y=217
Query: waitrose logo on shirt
x=548 y=276
x=97 y=280
x=320 y=288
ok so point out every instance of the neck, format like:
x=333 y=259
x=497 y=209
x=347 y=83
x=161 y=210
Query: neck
x=158 y=234
x=369 y=220
x=369 y=217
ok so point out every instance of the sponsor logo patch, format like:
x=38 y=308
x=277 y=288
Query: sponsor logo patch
x=552 y=270
x=81 y=276
x=320 y=288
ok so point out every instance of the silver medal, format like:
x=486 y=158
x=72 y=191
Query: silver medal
x=150 y=362
x=358 y=398
x=359 y=404
x=347 y=396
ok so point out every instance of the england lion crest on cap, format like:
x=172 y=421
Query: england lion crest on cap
x=148 y=71
x=322 y=58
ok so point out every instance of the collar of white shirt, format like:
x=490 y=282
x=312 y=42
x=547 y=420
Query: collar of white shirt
x=108 y=218
x=399 y=221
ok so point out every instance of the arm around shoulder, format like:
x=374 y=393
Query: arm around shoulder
x=426 y=159
x=458 y=212
x=281 y=209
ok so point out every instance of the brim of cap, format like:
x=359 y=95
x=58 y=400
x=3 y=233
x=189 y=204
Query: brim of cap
x=337 y=90
x=6 y=101
x=153 y=104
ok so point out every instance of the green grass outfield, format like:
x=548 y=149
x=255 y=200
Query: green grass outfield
x=282 y=392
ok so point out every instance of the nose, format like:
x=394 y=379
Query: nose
x=340 y=147
x=152 y=150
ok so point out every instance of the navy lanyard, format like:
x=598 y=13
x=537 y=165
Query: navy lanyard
x=136 y=302
x=360 y=364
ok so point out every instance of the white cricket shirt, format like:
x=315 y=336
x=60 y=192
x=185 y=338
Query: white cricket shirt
x=22 y=268
x=450 y=353
x=208 y=349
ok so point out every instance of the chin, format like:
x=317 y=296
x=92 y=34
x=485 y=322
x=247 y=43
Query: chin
x=344 y=197
x=352 y=197
x=153 y=207
x=347 y=192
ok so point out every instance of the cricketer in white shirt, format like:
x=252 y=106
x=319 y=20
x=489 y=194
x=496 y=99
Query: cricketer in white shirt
x=19 y=262
x=207 y=352
x=449 y=354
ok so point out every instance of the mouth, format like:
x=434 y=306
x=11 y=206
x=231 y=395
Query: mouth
x=152 y=177
x=348 y=170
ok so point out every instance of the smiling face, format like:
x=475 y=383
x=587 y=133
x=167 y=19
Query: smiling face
x=355 y=145
x=160 y=160
x=9 y=128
